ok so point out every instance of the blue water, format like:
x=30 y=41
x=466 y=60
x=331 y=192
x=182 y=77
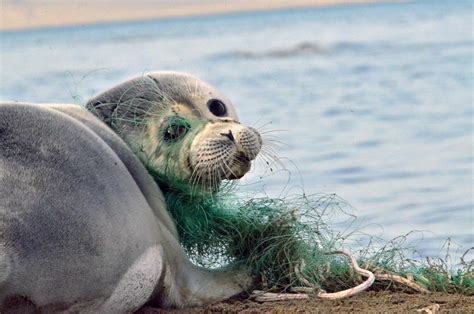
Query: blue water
x=373 y=102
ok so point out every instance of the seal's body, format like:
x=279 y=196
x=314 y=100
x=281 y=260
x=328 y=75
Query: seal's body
x=83 y=226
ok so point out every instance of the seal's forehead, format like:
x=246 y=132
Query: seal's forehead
x=196 y=95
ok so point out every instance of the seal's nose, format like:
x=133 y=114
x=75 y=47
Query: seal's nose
x=229 y=135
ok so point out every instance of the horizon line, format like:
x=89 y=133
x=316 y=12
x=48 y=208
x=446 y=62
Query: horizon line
x=167 y=13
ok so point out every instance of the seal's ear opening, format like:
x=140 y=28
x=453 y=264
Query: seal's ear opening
x=127 y=103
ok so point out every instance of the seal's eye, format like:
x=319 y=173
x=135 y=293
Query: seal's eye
x=217 y=107
x=176 y=129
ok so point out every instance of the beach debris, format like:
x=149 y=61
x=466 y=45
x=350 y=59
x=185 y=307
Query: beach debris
x=432 y=309
x=262 y=296
x=344 y=293
x=409 y=282
x=289 y=246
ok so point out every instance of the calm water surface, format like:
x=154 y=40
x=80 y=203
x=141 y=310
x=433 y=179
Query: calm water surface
x=373 y=102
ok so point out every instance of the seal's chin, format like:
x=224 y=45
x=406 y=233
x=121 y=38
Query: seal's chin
x=241 y=166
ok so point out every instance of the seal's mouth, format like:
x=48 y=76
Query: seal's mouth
x=222 y=151
x=242 y=159
x=243 y=164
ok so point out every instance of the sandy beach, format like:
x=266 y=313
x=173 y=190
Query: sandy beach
x=19 y=15
x=366 y=302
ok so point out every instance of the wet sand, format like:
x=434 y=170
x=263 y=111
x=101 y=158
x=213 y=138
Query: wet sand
x=366 y=302
x=18 y=15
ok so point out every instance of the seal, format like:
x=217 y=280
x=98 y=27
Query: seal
x=83 y=226
x=178 y=124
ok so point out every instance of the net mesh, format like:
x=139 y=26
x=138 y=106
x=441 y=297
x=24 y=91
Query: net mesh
x=274 y=238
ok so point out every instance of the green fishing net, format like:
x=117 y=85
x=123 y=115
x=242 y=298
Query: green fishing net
x=274 y=238
x=285 y=242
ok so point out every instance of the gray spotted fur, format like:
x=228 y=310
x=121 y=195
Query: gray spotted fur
x=83 y=227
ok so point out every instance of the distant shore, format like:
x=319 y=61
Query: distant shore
x=22 y=15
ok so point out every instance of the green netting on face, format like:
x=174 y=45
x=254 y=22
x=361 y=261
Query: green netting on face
x=163 y=143
x=282 y=241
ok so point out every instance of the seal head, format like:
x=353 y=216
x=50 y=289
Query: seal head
x=180 y=125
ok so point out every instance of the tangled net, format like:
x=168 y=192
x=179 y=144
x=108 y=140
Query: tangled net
x=288 y=246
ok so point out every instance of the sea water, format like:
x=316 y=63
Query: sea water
x=371 y=102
